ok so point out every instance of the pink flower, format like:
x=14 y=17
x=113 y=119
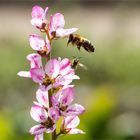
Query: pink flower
x=39 y=16
x=56 y=26
x=41 y=46
x=35 y=62
x=62 y=101
x=45 y=116
x=56 y=73
x=69 y=125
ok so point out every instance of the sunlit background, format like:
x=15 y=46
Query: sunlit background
x=109 y=89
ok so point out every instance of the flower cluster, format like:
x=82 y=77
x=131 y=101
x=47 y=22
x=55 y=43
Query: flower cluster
x=55 y=93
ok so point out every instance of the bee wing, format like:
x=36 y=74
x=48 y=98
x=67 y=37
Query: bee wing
x=83 y=66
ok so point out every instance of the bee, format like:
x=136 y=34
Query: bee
x=75 y=63
x=80 y=41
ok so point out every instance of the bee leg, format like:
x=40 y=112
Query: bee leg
x=79 y=47
x=68 y=42
x=70 y=39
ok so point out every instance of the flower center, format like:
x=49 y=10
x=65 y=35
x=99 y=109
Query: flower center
x=63 y=108
x=48 y=123
x=42 y=53
x=47 y=81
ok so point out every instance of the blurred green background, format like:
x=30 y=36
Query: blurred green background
x=109 y=89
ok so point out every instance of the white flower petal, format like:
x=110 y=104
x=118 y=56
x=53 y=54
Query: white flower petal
x=24 y=74
x=36 y=22
x=76 y=131
x=60 y=32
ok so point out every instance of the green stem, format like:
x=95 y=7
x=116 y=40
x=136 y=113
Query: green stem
x=53 y=134
x=49 y=96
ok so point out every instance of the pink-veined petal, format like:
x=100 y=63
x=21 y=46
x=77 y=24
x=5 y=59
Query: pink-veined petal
x=53 y=114
x=67 y=96
x=24 y=74
x=65 y=66
x=39 y=137
x=71 y=71
x=36 y=42
x=37 y=12
x=38 y=113
x=75 y=109
x=60 y=32
x=46 y=12
x=67 y=79
x=57 y=21
x=71 y=122
x=76 y=131
x=35 y=60
x=37 y=75
x=52 y=68
x=42 y=97
x=62 y=80
x=37 y=129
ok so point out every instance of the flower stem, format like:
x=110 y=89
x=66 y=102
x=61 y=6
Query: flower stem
x=54 y=136
x=49 y=96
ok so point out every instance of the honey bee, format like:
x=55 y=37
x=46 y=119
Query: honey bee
x=80 y=41
x=75 y=63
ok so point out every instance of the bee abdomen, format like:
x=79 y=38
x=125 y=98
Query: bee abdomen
x=88 y=46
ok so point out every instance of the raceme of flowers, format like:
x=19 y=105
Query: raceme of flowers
x=55 y=93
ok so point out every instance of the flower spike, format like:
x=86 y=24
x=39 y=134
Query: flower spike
x=54 y=76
